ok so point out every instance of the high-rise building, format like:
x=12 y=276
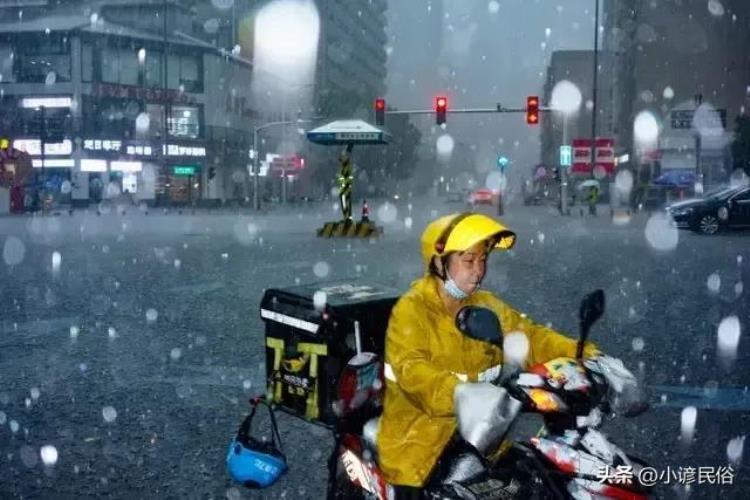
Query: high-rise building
x=678 y=61
x=351 y=65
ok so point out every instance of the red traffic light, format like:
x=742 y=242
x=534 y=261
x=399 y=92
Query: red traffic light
x=380 y=111
x=441 y=106
x=532 y=110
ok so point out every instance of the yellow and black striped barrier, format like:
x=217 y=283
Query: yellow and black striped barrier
x=349 y=229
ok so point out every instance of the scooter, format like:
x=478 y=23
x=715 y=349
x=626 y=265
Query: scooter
x=568 y=459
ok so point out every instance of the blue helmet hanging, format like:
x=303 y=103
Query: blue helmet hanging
x=252 y=462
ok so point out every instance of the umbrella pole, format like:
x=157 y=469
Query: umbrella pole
x=346 y=179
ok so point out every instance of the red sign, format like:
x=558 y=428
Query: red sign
x=605 y=155
x=288 y=163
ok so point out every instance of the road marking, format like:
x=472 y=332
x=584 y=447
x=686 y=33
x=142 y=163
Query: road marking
x=731 y=399
x=197 y=288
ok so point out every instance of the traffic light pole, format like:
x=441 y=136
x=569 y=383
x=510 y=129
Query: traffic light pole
x=498 y=109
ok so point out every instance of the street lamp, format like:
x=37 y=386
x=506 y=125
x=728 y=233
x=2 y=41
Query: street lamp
x=256 y=155
x=41 y=104
x=566 y=99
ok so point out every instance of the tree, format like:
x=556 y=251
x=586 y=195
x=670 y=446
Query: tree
x=741 y=144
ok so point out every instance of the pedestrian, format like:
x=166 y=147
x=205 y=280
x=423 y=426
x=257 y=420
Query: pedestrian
x=365 y=211
x=593 y=199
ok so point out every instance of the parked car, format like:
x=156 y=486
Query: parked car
x=720 y=209
x=481 y=196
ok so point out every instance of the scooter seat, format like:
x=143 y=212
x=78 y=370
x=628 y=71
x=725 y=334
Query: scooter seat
x=370 y=434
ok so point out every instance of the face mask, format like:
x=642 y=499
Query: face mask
x=452 y=289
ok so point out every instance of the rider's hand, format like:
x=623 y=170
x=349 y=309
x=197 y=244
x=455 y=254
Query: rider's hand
x=484 y=414
x=625 y=394
x=613 y=370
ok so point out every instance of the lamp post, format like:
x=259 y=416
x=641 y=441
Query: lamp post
x=256 y=156
x=566 y=99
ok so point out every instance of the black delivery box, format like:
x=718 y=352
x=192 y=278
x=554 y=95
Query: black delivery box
x=310 y=336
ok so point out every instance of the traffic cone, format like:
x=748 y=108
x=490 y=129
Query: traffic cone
x=365 y=211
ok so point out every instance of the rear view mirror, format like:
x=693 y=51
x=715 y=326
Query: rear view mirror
x=479 y=323
x=592 y=308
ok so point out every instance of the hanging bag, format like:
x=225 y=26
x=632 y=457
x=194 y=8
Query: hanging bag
x=251 y=461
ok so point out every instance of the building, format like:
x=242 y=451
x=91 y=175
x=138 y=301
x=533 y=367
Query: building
x=92 y=85
x=671 y=59
x=89 y=77
x=575 y=66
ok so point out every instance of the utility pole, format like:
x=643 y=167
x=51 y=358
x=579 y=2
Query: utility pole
x=593 y=90
x=165 y=85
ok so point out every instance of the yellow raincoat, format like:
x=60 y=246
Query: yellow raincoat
x=426 y=357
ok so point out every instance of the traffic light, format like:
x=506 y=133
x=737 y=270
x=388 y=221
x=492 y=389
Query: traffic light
x=532 y=110
x=380 y=112
x=441 y=107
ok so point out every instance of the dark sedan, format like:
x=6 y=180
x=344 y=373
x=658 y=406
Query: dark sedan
x=725 y=208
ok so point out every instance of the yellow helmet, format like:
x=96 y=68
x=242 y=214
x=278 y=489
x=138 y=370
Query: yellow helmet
x=459 y=232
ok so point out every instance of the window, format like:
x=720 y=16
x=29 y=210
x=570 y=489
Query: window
x=110 y=65
x=185 y=71
x=152 y=76
x=6 y=63
x=42 y=59
x=120 y=65
x=87 y=63
x=156 y=119
x=184 y=121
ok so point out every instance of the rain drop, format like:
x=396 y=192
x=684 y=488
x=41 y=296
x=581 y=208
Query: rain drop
x=714 y=283
x=34 y=393
x=387 y=213
x=624 y=182
x=175 y=354
x=638 y=344
x=319 y=300
x=734 y=450
x=51 y=78
x=74 y=332
x=48 y=454
x=56 y=261
x=407 y=223
x=13 y=251
x=668 y=93
x=111 y=332
x=515 y=348
x=444 y=145
x=493 y=7
x=728 y=338
x=141 y=55
x=660 y=233
x=151 y=315
x=321 y=269
x=109 y=414
x=688 y=418
x=14 y=426
x=142 y=123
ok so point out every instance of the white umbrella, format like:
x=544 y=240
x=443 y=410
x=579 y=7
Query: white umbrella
x=348 y=132
x=589 y=183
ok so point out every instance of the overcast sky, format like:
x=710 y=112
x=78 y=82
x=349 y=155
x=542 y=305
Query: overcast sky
x=479 y=53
